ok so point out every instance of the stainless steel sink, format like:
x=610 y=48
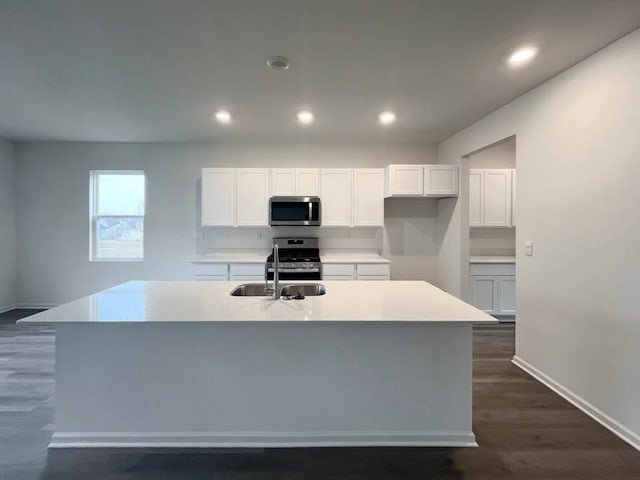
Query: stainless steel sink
x=288 y=290
x=303 y=289
x=251 y=290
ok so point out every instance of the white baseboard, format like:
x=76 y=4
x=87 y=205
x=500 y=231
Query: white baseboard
x=260 y=439
x=598 y=415
x=8 y=308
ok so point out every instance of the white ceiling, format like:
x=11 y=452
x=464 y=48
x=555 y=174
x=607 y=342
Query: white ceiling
x=155 y=70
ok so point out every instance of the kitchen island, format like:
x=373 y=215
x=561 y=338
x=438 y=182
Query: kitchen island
x=184 y=364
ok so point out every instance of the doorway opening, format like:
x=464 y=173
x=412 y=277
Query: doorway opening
x=491 y=225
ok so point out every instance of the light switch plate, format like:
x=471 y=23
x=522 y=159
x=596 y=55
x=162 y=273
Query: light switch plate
x=528 y=248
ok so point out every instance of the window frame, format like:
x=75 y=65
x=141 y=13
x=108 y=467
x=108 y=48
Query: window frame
x=94 y=218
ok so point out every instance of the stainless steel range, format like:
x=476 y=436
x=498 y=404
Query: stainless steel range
x=299 y=259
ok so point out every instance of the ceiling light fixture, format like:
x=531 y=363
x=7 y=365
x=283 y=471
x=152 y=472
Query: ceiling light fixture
x=387 y=118
x=278 y=62
x=305 y=117
x=522 y=56
x=223 y=117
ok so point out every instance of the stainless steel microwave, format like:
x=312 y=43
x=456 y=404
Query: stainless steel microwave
x=294 y=211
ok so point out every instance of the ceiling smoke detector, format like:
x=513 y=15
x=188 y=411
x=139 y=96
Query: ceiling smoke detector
x=278 y=62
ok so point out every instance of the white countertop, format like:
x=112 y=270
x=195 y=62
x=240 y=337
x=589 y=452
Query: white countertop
x=240 y=257
x=260 y=257
x=492 y=259
x=357 y=301
x=352 y=258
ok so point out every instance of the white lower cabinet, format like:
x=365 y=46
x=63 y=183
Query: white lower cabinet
x=356 y=271
x=236 y=272
x=210 y=272
x=246 y=272
x=484 y=293
x=493 y=288
x=507 y=294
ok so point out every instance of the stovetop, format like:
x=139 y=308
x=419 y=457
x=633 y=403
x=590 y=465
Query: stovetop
x=297 y=255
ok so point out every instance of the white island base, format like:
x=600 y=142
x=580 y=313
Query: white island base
x=184 y=364
x=263 y=385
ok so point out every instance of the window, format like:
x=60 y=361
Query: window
x=117 y=215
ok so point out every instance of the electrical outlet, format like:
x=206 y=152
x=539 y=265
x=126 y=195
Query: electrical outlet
x=198 y=235
x=259 y=235
x=528 y=248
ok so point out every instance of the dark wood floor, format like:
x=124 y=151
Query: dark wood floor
x=525 y=431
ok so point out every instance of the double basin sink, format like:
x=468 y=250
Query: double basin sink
x=289 y=290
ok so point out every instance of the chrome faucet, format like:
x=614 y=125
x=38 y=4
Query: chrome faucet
x=276 y=273
x=275 y=291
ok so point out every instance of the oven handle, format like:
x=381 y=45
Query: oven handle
x=295 y=270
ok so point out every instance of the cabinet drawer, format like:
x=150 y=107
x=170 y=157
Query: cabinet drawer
x=373 y=269
x=247 y=278
x=209 y=269
x=373 y=277
x=247 y=269
x=210 y=278
x=344 y=278
x=492 y=269
x=341 y=269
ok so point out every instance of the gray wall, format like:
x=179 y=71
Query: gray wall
x=577 y=158
x=8 y=280
x=53 y=211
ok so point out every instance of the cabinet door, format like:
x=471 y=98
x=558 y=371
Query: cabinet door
x=307 y=182
x=406 y=180
x=218 y=197
x=440 y=180
x=475 y=198
x=497 y=198
x=253 y=196
x=507 y=300
x=283 y=182
x=484 y=292
x=368 y=197
x=336 y=188
x=513 y=198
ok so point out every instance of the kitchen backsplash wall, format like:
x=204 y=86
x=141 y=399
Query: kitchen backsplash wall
x=216 y=239
x=492 y=241
x=53 y=211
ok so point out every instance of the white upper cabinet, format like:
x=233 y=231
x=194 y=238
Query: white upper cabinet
x=440 y=180
x=307 y=182
x=404 y=181
x=304 y=182
x=475 y=198
x=336 y=197
x=283 y=182
x=368 y=197
x=513 y=198
x=253 y=196
x=497 y=198
x=218 y=196
x=490 y=198
x=421 y=181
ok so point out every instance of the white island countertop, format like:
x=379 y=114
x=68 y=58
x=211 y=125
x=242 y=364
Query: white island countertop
x=357 y=301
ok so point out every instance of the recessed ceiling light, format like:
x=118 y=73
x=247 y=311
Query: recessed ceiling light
x=305 y=117
x=222 y=116
x=522 y=56
x=278 y=62
x=387 y=118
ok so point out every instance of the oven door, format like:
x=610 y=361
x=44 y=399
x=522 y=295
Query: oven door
x=294 y=211
x=296 y=274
